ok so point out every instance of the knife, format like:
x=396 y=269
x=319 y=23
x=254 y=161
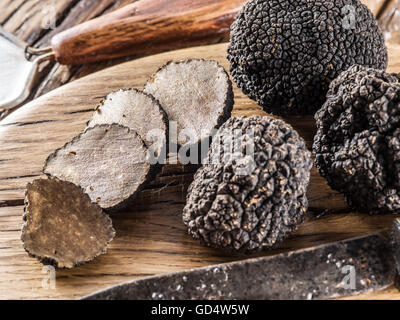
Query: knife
x=343 y=268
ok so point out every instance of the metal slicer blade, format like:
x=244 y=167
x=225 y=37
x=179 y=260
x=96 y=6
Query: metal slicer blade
x=17 y=73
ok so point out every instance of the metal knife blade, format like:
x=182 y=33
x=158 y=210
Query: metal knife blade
x=17 y=74
x=337 y=269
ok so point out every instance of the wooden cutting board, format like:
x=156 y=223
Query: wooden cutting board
x=151 y=238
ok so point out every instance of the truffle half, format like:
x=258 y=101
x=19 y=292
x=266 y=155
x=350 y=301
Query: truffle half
x=110 y=162
x=138 y=111
x=62 y=226
x=196 y=94
x=357 y=146
x=284 y=53
x=252 y=193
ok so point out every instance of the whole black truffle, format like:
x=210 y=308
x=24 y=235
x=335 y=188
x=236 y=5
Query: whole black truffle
x=357 y=146
x=252 y=195
x=284 y=54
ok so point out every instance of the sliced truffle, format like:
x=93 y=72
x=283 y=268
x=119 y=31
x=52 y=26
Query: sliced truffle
x=284 y=54
x=138 y=111
x=357 y=145
x=196 y=94
x=246 y=200
x=110 y=162
x=62 y=226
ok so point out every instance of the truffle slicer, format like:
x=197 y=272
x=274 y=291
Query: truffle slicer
x=345 y=268
x=117 y=34
x=17 y=71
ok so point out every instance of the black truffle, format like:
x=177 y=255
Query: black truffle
x=252 y=195
x=62 y=226
x=284 y=54
x=196 y=94
x=357 y=146
x=110 y=162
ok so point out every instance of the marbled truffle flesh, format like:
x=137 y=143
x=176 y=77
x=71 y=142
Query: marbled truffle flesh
x=110 y=162
x=62 y=226
x=138 y=111
x=196 y=94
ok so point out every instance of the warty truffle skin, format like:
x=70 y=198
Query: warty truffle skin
x=240 y=212
x=283 y=53
x=357 y=145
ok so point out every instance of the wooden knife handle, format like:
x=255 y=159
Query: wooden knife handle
x=146 y=26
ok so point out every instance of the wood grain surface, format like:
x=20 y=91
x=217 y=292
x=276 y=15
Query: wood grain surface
x=151 y=238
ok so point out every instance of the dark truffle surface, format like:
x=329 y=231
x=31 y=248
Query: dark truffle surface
x=357 y=146
x=62 y=226
x=237 y=210
x=283 y=54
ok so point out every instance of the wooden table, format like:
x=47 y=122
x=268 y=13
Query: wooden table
x=151 y=237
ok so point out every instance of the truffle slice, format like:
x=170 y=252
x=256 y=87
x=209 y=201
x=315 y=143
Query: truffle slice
x=284 y=53
x=138 y=111
x=357 y=144
x=62 y=226
x=110 y=162
x=196 y=94
x=246 y=200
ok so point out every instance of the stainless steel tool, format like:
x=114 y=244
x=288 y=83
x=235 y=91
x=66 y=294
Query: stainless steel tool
x=18 y=68
x=338 y=269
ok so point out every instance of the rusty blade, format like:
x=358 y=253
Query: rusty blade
x=338 y=269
